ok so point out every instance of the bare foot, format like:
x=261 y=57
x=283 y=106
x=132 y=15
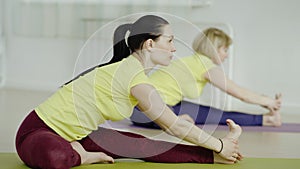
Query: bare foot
x=234 y=133
x=91 y=157
x=272 y=119
x=234 y=130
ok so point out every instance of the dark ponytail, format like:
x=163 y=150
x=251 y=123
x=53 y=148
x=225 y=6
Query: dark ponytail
x=146 y=27
x=120 y=49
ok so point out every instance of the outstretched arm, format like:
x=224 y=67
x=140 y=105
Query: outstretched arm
x=152 y=105
x=218 y=78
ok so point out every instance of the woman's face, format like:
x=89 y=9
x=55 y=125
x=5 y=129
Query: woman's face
x=222 y=55
x=163 y=48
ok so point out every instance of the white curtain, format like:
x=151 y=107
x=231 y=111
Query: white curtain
x=69 y=18
x=80 y=18
x=2 y=45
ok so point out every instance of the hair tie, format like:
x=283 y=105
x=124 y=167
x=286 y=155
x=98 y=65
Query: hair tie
x=218 y=152
x=129 y=28
x=128 y=32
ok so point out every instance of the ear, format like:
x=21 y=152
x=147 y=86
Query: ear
x=149 y=44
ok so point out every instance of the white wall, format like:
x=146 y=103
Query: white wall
x=266 y=46
x=266 y=41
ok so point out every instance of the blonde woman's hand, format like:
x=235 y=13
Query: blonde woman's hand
x=274 y=104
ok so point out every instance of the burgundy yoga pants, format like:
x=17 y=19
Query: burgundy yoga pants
x=39 y=146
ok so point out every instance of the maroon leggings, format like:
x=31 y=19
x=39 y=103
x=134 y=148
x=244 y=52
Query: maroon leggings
x=40 y=147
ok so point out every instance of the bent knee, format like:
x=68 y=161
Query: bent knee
x=44 y=149
x=57 y=159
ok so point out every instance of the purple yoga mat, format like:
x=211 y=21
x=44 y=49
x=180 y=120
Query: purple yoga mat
x=286 y=127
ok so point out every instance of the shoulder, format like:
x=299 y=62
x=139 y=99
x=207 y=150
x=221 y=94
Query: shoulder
x=141 y=90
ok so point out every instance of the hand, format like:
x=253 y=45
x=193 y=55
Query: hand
x=274 y=104
x=230 y=150
x=219 y=159
x=187 y=118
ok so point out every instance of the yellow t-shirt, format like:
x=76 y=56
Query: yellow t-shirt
x=77 y=108
x=182 y=78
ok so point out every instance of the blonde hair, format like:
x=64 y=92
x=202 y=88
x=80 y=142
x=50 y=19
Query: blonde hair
x=209 y=41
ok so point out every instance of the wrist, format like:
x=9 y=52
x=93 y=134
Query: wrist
x=221 y=149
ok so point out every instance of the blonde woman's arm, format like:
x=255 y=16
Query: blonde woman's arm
x=152 y=105
x=217 y=78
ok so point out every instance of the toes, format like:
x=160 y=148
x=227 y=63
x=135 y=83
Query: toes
x=230 y=122
x=105 y=158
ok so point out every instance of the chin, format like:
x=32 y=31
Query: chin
x=165 y=64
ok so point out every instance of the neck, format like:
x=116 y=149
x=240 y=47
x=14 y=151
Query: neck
x=144 y=60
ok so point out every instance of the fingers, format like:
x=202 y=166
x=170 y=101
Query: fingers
x=233 y=159
x=272 y=109
x=276 y=105
x=236 y=157
x=240 y=156
x=278 y=96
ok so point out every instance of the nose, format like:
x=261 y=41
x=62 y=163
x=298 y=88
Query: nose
x=173 y=49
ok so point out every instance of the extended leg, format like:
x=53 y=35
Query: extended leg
x=201 y=115
x=118 y=144
x=209 y=115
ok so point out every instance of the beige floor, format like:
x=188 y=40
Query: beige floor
x=15 y=104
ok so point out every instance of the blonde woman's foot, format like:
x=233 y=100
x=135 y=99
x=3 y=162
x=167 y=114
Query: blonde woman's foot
x=91 y=157
x=234 y=129
x=272 y=119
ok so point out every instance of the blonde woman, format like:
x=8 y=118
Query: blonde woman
x=187 y=76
